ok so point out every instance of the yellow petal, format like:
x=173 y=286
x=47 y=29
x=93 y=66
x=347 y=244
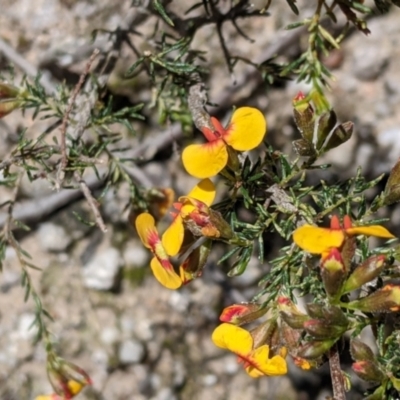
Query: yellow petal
x=172 y=238
x=203 y=191
x=256 y=361
x=205 y=160
x=145 y=226
x=267 y=366
x=371 y=230
x=233 y=338
x=187 y=207
x=246 y=129
x=166 y=276
x=254 y=372
x=317 y=240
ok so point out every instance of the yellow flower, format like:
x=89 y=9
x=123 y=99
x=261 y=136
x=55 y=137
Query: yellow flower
x=160 y=264
x=317 y=240
x=245 y=132
x=255 y=360
x=203 y=192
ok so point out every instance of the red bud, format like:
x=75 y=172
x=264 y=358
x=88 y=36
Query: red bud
x=244 y=313
x=368 y=371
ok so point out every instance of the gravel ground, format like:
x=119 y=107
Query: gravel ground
x=137 y=340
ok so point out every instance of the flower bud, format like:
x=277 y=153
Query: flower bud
x=326 y=312
x=319 y=100
x=203 y=221
x=366 y=272
x=224 y=229
x=333 y=272
x=325 y=123
x=316 y=310
x=341 y=134
x=315 y=349
x=322 y=330
x=262 y=334
x=192 y=267
x=8 y=98
x=291 y=337
x=304 y=117
x=360 y=351
x=66 y=378
x=347 y=251
x=391 y=193
x=368 y=370
x=290 y=313
x=335 y=316
x=239 y=314
x=386 y=299
x=8 y=92
x=303 y=148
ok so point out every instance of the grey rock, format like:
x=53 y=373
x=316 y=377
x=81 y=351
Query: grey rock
x=135 y=254
x=164 y=394
x=9 y=279
x=102 y=271
x=109 y=335
x=25 y=330
x=369 y=59
x=36 y=189
x=131 y=352
x=139 y=327
x=179 y=301
x=100 y=357
x=389 y=142
x=180 y=373
x=158 y=174
x=209 y=380
x=53 y=237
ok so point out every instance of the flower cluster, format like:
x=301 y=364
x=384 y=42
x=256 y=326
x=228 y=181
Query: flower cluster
x=324 y=323
x=279 y=327
x=194 y=224
x=192 y=219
